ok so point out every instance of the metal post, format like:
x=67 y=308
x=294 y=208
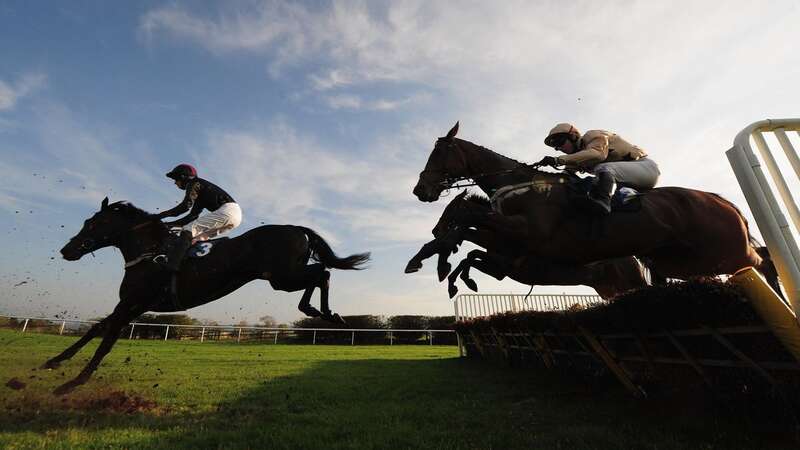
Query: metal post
x=166 y=333
x=61 y=330
x=239 y=337
x=353 y=339
x=130 y=336
x=25 y=325
x=430 y=337
x=202 y=334
x=276 y=337
x=314 y=341
x=391 y=338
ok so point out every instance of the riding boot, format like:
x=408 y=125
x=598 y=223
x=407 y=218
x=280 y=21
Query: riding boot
x=600 y=195
x=178 y=251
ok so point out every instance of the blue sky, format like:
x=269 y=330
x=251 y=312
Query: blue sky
x=323 y=113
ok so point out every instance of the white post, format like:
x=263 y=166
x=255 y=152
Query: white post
x=61 y=330
x=166 y=333
x=25 y=325
x=353 y=339
x=130 y=336
x=276 y=337
x=202 y=334
x=239 y=337
x=391 y=338
x=430 y=337
x=771 y=221
x=314 y=340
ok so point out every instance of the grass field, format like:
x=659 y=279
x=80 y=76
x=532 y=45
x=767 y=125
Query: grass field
x=153 y=394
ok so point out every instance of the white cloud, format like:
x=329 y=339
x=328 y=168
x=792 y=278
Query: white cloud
x=79 y=162
x=10 y=94
x=281 y=177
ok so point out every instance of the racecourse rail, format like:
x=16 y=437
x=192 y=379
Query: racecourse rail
x=240 y=332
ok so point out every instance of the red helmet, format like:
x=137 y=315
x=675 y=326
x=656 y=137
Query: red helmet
x=182 y=172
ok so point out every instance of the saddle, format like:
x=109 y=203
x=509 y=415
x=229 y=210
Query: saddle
x=198 y=250
x=203 y=248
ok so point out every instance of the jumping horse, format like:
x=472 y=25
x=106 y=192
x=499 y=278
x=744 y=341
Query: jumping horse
x=682 y=233
x=502 y=257
x=278 y=254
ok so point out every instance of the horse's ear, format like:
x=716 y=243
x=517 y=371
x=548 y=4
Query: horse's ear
x=452 y=133
x=104 y=204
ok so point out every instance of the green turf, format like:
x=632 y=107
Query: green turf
x=213 y=395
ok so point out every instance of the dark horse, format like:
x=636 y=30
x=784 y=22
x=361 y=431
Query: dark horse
x=682 y=232
x=503 y=258
x=276 y=253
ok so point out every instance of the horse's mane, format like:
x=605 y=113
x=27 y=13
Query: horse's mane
x=132 y=212
x=520 y=165
x=481 y=199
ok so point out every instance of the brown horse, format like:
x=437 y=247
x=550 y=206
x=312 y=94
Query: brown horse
x=682 y=232
x=503 y=258
x=276 y=253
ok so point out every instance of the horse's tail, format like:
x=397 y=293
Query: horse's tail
x=322 y=253
x=753 y=241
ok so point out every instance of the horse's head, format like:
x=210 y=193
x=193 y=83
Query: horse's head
x=104 y=228
x=461 y=203
x=446 y=161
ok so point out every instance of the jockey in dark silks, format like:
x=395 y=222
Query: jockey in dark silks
x=613 y=161
x=224 y=213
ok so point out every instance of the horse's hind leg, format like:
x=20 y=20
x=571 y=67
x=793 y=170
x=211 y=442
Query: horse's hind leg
x=96 y=329
x=307 y=280
x=324 y=287
x=768 y=269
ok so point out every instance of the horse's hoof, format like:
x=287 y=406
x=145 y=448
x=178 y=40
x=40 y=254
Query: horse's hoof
x=66 y=388
x=471 y=284
x=452 y=290
x=444 y=270
x=50 y=365
x=334 y=318
x=413 y=266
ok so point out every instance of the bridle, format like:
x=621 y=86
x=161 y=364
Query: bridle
x=449 y=182
x=89 y=245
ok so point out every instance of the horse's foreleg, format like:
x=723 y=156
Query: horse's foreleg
x=96 y=329
x=452 y=289
x=443 y=266
x=442 y=246
x=473 y=256
x=112 y=329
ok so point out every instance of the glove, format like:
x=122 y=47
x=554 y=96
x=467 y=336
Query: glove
x=548 y=161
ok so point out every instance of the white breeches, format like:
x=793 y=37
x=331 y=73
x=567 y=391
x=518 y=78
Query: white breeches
x=641 y=174
x=225 y=218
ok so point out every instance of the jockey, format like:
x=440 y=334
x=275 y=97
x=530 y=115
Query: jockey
x=610 y=158
x=224 y=215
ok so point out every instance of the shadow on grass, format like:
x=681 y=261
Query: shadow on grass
x=437 y=403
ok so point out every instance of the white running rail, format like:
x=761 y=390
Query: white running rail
x=772 y=223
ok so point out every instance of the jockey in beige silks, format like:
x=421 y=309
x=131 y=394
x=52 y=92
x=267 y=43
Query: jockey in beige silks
x=613 y=160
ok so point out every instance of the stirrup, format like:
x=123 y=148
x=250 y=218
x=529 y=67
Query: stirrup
x=599 y=206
